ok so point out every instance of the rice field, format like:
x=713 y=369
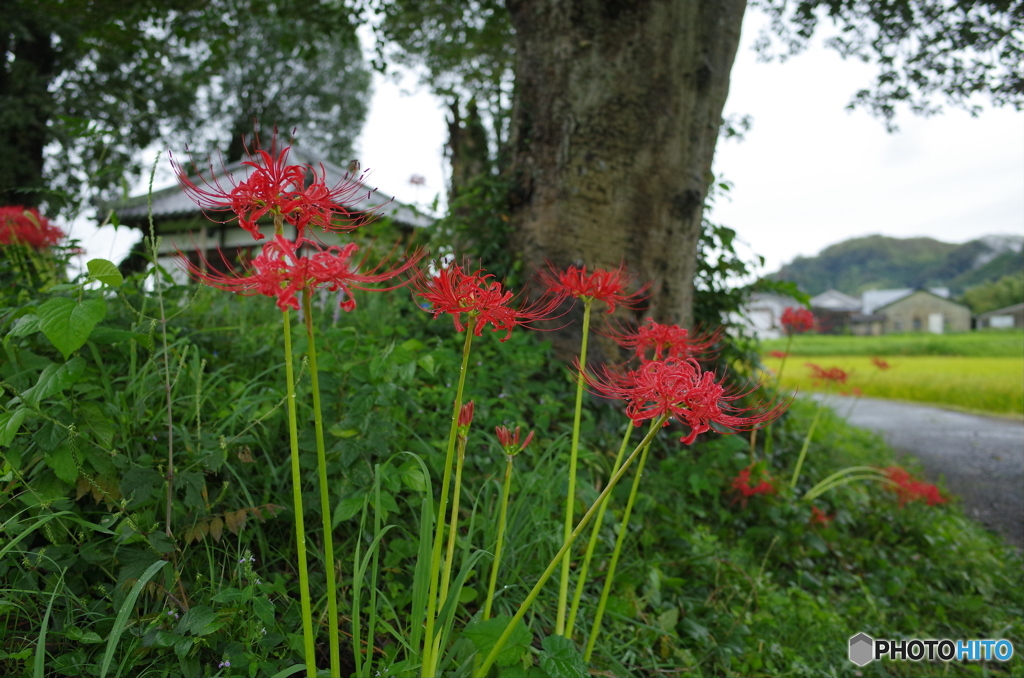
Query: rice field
x=977 y=344
x=981 y=384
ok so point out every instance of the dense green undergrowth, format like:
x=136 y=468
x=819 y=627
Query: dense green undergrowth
x=92 y=584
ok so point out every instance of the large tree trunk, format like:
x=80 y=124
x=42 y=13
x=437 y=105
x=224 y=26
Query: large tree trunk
x=617 y=110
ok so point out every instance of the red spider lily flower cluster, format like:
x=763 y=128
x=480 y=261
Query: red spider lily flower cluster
x=832 y=374
x=855 y=392
x=880 y=364
x=297 y=193
x=509 y=440
x=819 y=517
x=664 y=342
x=25 y=226
x=281 y=271
x=747 y=487
x=680 y=390
x=797 y=320
x=909 y=488
x=477 y=295
x=600 y=284
x=781 y=355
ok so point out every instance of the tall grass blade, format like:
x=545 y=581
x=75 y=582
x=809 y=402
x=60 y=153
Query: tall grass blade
x=421 y=584
x=122 y=615
x=39 y=665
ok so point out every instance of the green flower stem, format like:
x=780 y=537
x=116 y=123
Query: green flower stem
x=807 y=443
x=300 y=528
x=581 y=580
x=502 y=513
x=429 y=660
x=610 y=577
x=845 y=476
x=584 y=521
x=446 y=574
x=325 y=499
x=570 y=499
x=768 y=429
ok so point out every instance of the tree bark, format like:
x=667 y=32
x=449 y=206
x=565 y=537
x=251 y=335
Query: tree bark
x=618 y=105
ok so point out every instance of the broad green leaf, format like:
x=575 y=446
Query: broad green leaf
x=105 y=271
x=412 y=476
x=200 y=620
x=484 y=634
x=138 y=484
x=54 y=379
x=10 y=422
x=427 y=363
x=264 y=609
x=97 y=422
x=63 y=464
x=67 y=323
x=26 y=325
x=347 y=508
x=228 y=595
x=561 y=658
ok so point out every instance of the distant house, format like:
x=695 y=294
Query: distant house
x=833 y=311
x=183 y=227
x=763 y=314
x=923 y=310
x=1008 y=316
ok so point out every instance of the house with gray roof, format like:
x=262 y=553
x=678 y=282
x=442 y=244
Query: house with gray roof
x=183 y=227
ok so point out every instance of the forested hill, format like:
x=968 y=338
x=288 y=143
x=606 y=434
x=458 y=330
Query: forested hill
x=881 y=262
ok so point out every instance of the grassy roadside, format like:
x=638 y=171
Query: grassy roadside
x=709 y=584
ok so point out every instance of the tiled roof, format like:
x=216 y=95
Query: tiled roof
x=172 y=202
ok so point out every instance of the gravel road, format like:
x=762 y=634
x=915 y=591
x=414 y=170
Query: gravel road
x=981 y=458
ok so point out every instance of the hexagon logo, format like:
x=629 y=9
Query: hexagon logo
x=862 y=649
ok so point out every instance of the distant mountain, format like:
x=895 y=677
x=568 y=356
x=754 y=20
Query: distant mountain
x=880 y=262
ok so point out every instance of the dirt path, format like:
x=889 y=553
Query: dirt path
x=981 y=458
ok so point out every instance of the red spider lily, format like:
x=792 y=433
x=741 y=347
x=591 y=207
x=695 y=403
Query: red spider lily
x=297 y=193
x=855 y=392
x=667 y=342
x=781 y=355
x=466 y=414
x=797 y=320
x=451 y=290
x=510 y=440
x=465 y=419
x=833 y=374
x=279 y=271
x=909 y=488
x=680 y=389
x=819 y=517
x=743 y=484
x=25 y=226
x=601 y=284
x=880 y=364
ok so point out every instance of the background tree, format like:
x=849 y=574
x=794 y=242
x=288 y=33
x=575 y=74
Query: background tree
x=85 y=85
x=618 y=106
x=289 y=72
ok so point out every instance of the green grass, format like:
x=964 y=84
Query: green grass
x=992 y=385
x=984 y=343
x=707 y=585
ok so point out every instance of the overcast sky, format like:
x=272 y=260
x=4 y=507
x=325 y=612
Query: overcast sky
x=808 y=175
